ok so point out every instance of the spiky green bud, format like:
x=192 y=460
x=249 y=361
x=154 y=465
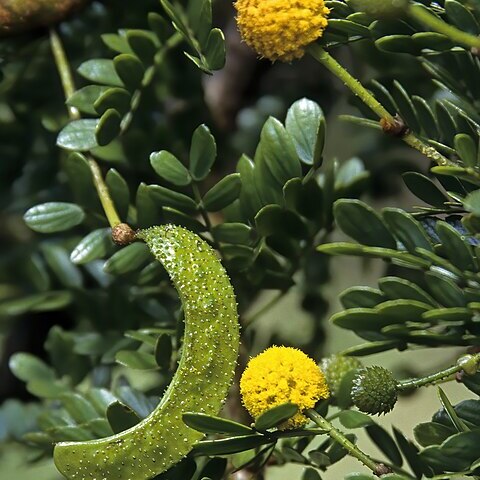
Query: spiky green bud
x=335 y=367
x=374 y=390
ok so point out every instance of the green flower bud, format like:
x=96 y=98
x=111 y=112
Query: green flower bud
x=335 y=367
x=374 y=390
x=381 y=8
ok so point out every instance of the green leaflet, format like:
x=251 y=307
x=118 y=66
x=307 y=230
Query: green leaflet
x=202 y=379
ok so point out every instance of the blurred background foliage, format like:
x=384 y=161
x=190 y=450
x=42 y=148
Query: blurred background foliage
x=271 y=177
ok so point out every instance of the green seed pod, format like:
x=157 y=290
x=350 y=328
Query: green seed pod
x=21 y=15
x=202 y=379
x=381 y=8
x=335 y=367
x=374 y=390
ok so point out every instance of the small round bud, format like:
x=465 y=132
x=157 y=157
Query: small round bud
x=374 y=390
x=381 y=8
x=123 y=234
x=469 y=364
x=396 y=129
x=335 y=367
x=382 y=469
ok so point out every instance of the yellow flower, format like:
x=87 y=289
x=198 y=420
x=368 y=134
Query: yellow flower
x=281 y=29
x=280 y=375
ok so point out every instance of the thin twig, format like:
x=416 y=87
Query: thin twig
x=68 y=84
x=386 y=118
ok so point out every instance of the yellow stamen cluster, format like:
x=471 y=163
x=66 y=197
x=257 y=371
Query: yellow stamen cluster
x=280 y=375
x=281 y=29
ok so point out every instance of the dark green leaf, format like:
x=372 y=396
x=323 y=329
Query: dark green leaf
x=250 y=199
x=472 y=202
x=85 y=98
x=136 y=360
x=95 y=245
x=170 y=168
x=278 y=152
x=395 y=287
x=406 y=229
x=305 y=123
x=225 y=192
x=342 y=248
x=180 y=218
x=27 y=367
x=40 y=302
x=456 y=421
x=361 y=297
x=353 y=419
x=373 y=347
x=215 y=53
x=209 y=424
x=143 y=43
x=108 y=127
x=100 y=71
x=117 y=98
x=461 y=17
x=121 y=417
x=128 y=259
x=170 y=198
x=163 y=351
x=273 y=219
x=231 y=445
x=362 y=319
x=311 y=474
x=385 y=443
x=130 y=69
x=79 y=135
x=200 y=19
x=445 y=290
x=362 y=223
x=214 y=469
x=458 y=251
x=54 y=217
x=275 y=416
x=410 y=452
x=78 y=407
x=203 y=152
x=59 y=261
x=232 y=233
x=425 y=189
x=116 y=42
x=398 y=44
x=432 y=433
x=466 y=149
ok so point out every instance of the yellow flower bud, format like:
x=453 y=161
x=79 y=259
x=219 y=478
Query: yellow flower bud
x=281 y=29
x=282 y=375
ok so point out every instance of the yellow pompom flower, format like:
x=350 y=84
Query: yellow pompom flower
x=282 y=375
x=281 y=29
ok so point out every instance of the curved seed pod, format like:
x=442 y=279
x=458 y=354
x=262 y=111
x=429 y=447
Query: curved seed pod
x=202 y=379
x=20 y=15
